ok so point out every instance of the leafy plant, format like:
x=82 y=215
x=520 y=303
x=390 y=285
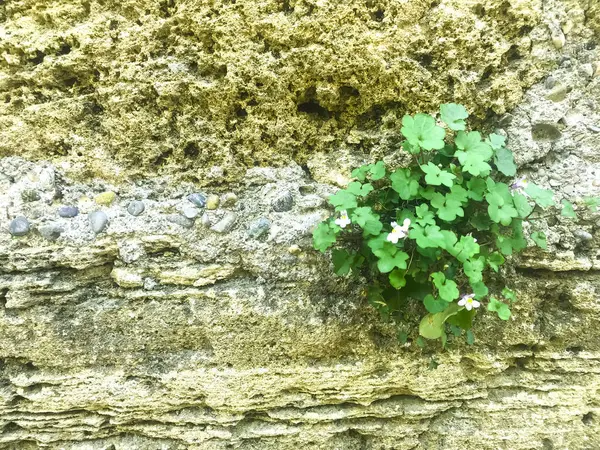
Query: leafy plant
x=437 y=231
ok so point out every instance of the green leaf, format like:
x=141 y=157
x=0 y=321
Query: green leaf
x=397 y=279
x=390 y=257
x=360 y=173
x=473 y=153
x=405 y=183
x=505 y=162
x=448 y=207
x=378 y=171
x=359 y=189
x=367 y=220
x=592 y=203
x=434 y=305
x=425 y=217
x=410 y=148
x=463 y=319
x=495 y=260
x=501 y=309
x=453 y=115
x=342 y=261
x=470 y=337
x=496 y=141
x=436 y=177
x=522 y=205
x=509 y=294
x=423 y=132
x=502 y=214
x=477 y=189
x=465 y=249
x=343 y=200
x=447 y=288
x=474 y=269
x=543 y=197
x=479 y=289
x=567 y=210
x=323 y=237
x=432 y=325
x=428 y=237
x=539 y=237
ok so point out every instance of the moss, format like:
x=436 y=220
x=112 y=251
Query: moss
x=127 y=88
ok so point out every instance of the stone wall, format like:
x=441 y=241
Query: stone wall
x=218 y=326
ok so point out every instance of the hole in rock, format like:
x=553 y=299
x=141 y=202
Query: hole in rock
x=191 y=150
x=588 y=418
x=378 y=15
x=314 y=108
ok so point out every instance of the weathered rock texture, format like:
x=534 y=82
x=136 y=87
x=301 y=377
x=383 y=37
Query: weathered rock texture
x=233 y=333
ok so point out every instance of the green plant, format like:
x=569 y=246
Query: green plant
x=436 y=232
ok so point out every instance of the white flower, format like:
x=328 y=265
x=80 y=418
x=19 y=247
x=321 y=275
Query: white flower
x=343 y=220
x=398 y=232
x=468 y=302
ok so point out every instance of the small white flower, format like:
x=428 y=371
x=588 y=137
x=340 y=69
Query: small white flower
x=398 y=232
x=468 y=302
x=343 y=220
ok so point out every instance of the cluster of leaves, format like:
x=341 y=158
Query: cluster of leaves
x=464 y=221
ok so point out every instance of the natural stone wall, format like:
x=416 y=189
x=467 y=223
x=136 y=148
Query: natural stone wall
x=225 y=329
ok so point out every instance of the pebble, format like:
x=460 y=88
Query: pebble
x=283 y=203
x=583 y=235
x=212 y=202
x=30 y=195
x=229 y=199
x=259 y=227
x=587 y=70
x=226 y=223
x=105 y=198
x=197 y=199
x=558 y=94
x=19 y=226
x=51 y=231
x=593 y=128
x=136 y=207
x=68 y=211
x=558 y=39
x=180 y=220
x=550 y=82
x=205 y=220
x=294 y=249
x=98 y=221
x=47 y=178
x=190 y=212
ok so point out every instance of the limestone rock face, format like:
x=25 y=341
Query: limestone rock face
x=224 y=329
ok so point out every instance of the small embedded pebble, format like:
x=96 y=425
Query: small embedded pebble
x=294 y=249
x=30 y=195
x=98 y=221
x=51 y=231
x=550 y=82
x=229 y=199
x=180 y=220
x=212 y=202
x=19 y=226
x=197 y=199
x=558 y=39
x=105 y=198
x=190 y=212
x=587 y=70
x=558 y=93
x=136 y=207
x=259 y=227
x=593 y=128
x=283 y=203
x=205 y=220
x=68 y=211
x=583 y=235
x=225 y=224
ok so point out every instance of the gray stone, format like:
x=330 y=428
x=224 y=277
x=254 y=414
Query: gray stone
x=259 y=227
x=19 y=226
x=180 y=220
x=583 y=235
x=226 y=223
x=98 y=221
x=136 y=207
x=283 y=203
x=30 y=195
x=51 y=231
x=190 y=212
x=205 y=220
x=68 y=211
x=229 y=199
x=550 y=82
x=558 y=94
x=197 y=199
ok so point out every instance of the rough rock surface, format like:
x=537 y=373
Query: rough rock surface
x=153 y=335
